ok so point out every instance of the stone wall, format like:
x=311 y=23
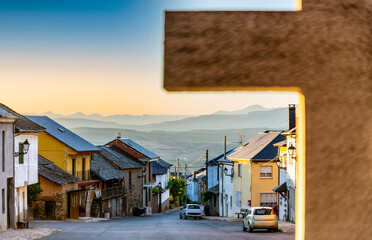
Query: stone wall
x=135 y=193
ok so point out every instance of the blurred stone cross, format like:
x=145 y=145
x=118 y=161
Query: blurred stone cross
x=324 y=53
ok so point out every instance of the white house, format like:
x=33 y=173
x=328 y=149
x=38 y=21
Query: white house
x=226 y=188
x=25 y=161
x=161 y=173
x=7 y=215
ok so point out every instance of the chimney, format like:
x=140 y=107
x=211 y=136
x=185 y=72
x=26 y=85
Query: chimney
x=291 y=116
x=118 y=135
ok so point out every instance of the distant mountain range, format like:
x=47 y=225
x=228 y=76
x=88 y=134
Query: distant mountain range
x=251 y=117
x=170 y=146
x=178 y=136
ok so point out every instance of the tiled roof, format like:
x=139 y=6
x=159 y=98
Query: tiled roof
x=120 y=160
x=22 y=123
x=104 y=170
x=259 y=147
x=53 y=173
x=64 y=135
x=138 y=148
x=158 y=169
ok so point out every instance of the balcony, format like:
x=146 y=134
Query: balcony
x=112 y=192
x=83 y=175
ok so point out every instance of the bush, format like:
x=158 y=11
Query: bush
x=33 y=192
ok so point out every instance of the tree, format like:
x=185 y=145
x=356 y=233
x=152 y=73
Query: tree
x=33 y=192
x=177 y=188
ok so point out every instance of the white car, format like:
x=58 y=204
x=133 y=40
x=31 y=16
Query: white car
x=191 y=210
x=260 y=218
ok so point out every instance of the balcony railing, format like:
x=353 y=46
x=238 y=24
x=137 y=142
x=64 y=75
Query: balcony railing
x=83 y=175
x=112 y=192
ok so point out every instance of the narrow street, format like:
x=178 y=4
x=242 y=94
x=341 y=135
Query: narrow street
x=158 y=226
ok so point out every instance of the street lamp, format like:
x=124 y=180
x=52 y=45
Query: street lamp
x=229 y=175
x=26 y=146
x=292 y=151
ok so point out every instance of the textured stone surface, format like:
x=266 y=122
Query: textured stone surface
x=323 y=50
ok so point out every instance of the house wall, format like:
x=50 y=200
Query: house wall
x=192 y=190
x=26 y=173
x=212 y=175
x=291 y=181
x=262 y=185
x=163 y=179
x=55 y=193
x=135 y=192
x=61 y=154
x=282 y=203
x=242 y=184
x=226 y=189
x=6 y=126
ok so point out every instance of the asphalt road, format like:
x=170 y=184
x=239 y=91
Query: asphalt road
x=159 y=226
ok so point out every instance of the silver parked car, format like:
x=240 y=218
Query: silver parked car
x=191 y=210
x=260 y=218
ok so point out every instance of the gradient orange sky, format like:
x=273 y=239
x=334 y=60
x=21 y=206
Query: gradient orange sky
x=85 y=56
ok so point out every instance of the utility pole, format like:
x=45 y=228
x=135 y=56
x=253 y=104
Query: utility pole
x=224 y=149
x=206 y=169
x=178 y=168
x=185 y=181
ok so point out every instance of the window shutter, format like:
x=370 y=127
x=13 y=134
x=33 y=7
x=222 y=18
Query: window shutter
x=21 y=155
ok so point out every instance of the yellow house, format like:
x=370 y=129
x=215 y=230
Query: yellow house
x=64 y=148
x=255 y=171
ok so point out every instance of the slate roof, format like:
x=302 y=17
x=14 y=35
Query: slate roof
x=217 y=159
x=53 y=173
x=64 y=135
x=259 y=147
x=214 y=189
x=158 y=169
x=103 y=169
x=138 y=148
x=164 y=163
x=22 y=123
x=281 y=143
x=120 y=160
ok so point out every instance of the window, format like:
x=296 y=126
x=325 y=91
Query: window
x=193 y=207
x=130 y=180
x=268 y=199
x=3 y=150
x=238 y=200
x=266 y=172
x=3 y=199
x=239 y=170
x=21 y=155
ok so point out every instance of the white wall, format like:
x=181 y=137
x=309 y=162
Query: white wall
x=226 y=188
x=26 y=173
x=192 y=189
x=212 y=175
x=7 y=127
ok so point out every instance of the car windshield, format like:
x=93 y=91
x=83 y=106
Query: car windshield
x=263 y=211
x=193 y=207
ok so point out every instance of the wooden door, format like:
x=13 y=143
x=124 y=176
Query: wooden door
x=74 y=205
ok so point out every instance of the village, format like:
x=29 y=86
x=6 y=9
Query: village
x=50 y=173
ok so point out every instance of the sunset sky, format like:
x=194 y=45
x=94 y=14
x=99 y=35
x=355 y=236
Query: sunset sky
x=90 y=56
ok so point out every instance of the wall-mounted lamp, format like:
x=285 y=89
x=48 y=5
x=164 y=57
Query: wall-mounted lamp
x=278 y=163
x=292 y=151
x=229 y=175
x=26 y=146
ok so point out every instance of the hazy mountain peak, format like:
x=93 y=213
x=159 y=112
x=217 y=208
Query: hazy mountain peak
x=252 y=108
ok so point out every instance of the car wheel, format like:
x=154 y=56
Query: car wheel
x=249 y=228
x=276 y=229
x=244 y=228
x=180 y=216
x=185 y=216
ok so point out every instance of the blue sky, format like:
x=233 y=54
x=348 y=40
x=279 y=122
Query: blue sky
x=95 y=45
